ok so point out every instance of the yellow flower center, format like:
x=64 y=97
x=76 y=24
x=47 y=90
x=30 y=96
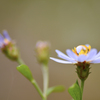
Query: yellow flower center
x=81 y=49
x=6 y=41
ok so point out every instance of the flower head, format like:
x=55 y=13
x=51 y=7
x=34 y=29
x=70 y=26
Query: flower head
x=80 y=54
x=8 y=47
x=42 y=51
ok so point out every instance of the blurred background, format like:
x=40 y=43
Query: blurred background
x=65 y=24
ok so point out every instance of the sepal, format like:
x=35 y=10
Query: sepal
x=82 y=70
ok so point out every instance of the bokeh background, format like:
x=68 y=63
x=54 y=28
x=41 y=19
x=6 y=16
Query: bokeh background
x=65 y=24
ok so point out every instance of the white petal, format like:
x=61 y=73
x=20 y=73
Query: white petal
x=96 y=60
x=82 y=58
x=63 y=56
x=98 y=55
x=87 y=45
x=61 y=61
x=79 y=48
x=91 y=54
x=71 y=54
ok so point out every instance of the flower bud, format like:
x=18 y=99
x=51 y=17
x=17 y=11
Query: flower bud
x=83 y=70
x=42 y=52
x=8 y=47
x=11 y=52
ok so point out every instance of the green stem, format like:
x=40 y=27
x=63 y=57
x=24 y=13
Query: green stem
x=37 y=88
x=45 y=81
x=44 y=98
x=20 y=61
x=82 y=87
x=33 y=81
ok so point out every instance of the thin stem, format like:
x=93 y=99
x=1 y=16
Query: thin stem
x=44 y=98
x=45 y=80
x=37 y=88
x=33 y=81
x=20 y=61
x=82 y=87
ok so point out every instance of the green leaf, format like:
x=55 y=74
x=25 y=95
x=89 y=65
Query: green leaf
x=75 y=91
x=55 y=89
x=24 y=70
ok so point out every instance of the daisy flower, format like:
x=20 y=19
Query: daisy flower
x=80 y=54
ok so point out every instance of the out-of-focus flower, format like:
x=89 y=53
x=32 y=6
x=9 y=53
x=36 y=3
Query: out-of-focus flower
x=42 y=51
x=8 y=47
x=82 y=56
x=4 y=40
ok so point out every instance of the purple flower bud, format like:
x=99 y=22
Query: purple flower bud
x=42 y=51
x=8 y=47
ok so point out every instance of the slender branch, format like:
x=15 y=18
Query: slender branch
x=45 y=80
x=33 y=81
x=37 y=88
x=20 y=61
